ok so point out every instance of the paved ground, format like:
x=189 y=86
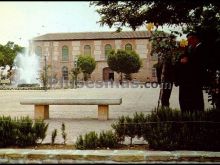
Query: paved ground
x=80 y=119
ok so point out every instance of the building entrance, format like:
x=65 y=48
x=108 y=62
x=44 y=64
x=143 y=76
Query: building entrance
x=108 y=74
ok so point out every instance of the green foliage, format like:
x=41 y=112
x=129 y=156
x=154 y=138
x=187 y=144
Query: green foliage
x=201 y=16
x=92 y=140
x=53 y=136
x=162 y=12
x=21 y=131
x=164 y=45
x=74 y=74
x=44 y=78
x=128 y=77
x=21 y=88
x=8 y=131
x=40 y=128
x=129 y=127
x=119 y=128
x=169 y=129
x=124 y=61
x=139 y=120
x=26 y=134
x=64 y=134
x=28 y=85
x=80 y=143
x=8 y=53
x=107 y=139
x=87 y=64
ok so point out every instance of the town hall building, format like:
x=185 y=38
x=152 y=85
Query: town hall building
x=62 y=49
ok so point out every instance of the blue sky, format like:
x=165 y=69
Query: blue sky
x=21 y=21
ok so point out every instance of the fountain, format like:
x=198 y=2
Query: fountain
x=26 y=68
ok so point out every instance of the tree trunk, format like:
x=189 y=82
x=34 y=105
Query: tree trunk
x=166 y=83
x=121 y=79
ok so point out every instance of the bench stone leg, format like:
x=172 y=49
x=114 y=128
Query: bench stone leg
x=102 y=112
x=41 y=111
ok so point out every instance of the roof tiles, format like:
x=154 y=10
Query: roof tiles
x=93 y=35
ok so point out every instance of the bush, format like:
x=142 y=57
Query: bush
x=92 y=140
x=28 y=85
x=22 y=88
x=8 y=131
x=64 y=134
x=107 y=140
x=169 y=129
x=40 y=129
x=53 y=136
x=21 y=131
x=119 y=128
x=129 y=127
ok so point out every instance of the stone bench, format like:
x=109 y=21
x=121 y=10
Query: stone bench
x=41 y=105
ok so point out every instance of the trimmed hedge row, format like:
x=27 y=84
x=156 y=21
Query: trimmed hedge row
x=22 y=88
x=28 y=85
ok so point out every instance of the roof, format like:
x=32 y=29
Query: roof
x=93 y=36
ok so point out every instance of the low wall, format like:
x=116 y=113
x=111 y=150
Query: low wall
x=21 y=156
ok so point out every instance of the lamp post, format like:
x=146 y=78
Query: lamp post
x=45 y=74
x=51 y=65
x=75 y=68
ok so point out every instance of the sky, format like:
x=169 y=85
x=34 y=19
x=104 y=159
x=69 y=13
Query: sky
x=21 y=21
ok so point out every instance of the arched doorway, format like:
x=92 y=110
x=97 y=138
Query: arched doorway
x=108 y=74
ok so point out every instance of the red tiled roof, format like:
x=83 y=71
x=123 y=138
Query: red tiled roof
x=93 y=36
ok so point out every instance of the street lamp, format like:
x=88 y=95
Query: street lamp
x=45 y=78
x=75 y=71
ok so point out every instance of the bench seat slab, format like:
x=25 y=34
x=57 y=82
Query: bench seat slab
x=103 y=112
x=41 y=111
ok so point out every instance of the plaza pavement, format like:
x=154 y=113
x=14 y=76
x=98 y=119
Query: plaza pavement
x=80 y=119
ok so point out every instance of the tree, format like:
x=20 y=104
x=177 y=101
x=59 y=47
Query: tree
x=162 y=12
x=74 y=74
x=124 y=62
x=8 y=53
x=44 y=76
x=165 y=47
x=202 y=16
x=87 y=64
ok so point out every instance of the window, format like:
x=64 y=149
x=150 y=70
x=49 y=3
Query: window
x=65 y=73
x=154 y=72
x=128 y=47
x=87 y=50
x=65 y=53
x=38 y=51
x=108 y=48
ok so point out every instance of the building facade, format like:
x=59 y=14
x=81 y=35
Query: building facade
x=61 y=49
